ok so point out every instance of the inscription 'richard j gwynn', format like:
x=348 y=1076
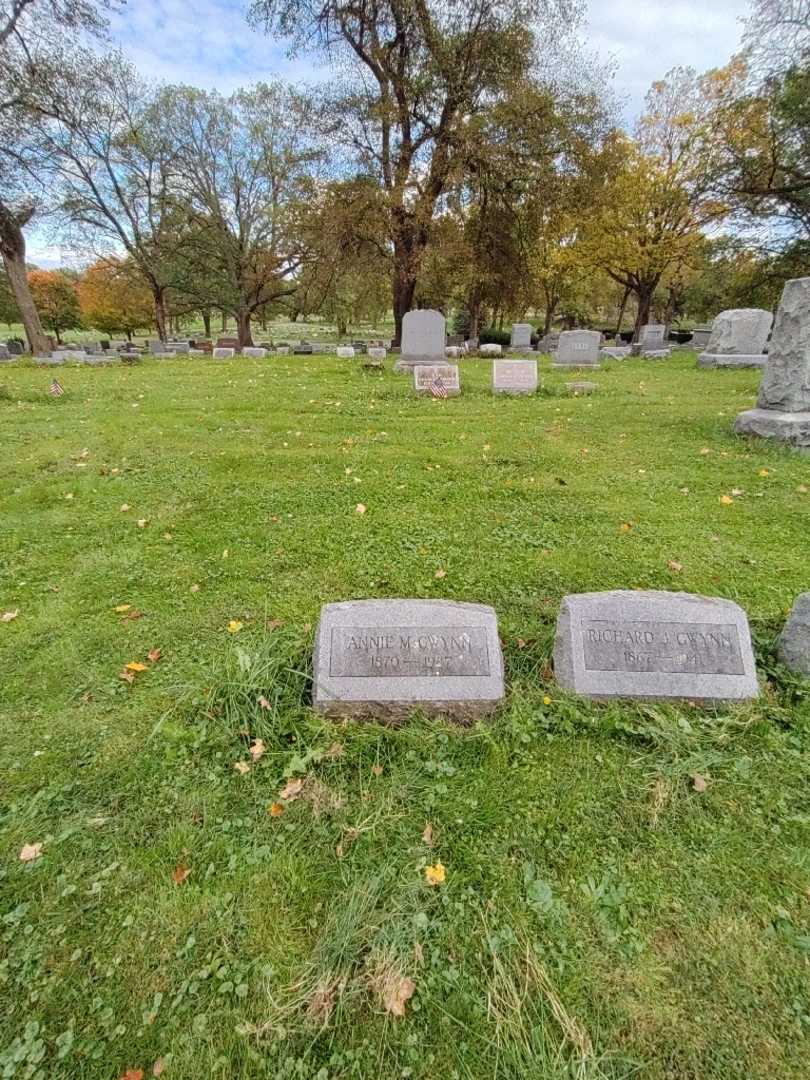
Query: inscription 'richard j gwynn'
x=673 y=647
x=402 y=651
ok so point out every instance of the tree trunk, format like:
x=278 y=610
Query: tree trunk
x=206 y=317
x=243 y=331
x=160 y=311
x=12 y=248
x=645 y=296
x=58 y=338
x=403 y=287
x=622 y=308
x=224 y=322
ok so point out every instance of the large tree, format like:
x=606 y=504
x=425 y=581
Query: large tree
x=246 y=175
x=114 y=297
x=412 y=75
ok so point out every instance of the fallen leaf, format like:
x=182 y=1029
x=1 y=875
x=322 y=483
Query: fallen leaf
x=546 y=700
x=257 y=749
x=158 y=1067
x=154 y=655
x=764 y=472
x=30 y=852
x=274 y=624
x=359 y=509
x=9 y=616
x=142 y=523
x=291 y=790
x=132 y=615
x=124 y=507
x=264 y=703
x=276 y=809
x=167 y=536
x=397 y=991
x=194 y=588
x=699 y=783
x=705 y=451
x=802 y=489
x=675 y=566
x=121 y=608
x=180 y=874
x=234 y=626
x=435 y=875
x=737 y=491
x=132 y=1074
x=427 y=835
x=726 y=500
x=377 y=770
x=135 y=665
x=242 y=767
x=441 y=573
x=625 y=527
x=335 y=751
x=127 y=676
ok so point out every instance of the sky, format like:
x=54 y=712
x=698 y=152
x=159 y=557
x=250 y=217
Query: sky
x=208 y=43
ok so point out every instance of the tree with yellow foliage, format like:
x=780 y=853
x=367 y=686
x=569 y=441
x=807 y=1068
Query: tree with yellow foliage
x=114 y=298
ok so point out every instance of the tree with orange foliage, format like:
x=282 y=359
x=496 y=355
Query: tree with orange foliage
x=54 y=294
x=114 y=299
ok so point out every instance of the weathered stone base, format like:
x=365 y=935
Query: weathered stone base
x=793 y=428
x=616 y=352
x=576 y=367
x=582 y=387
x=656 y=354
x=718 y=360
x=408 y=363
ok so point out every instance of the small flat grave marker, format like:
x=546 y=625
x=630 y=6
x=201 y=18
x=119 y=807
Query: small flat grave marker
x=514 y=376
x=386 y=658
x=647 y=644
x=430 y=378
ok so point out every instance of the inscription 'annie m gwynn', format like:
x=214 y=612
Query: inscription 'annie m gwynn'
x=388 y=657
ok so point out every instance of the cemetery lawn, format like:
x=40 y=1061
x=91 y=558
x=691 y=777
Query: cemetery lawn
x=626 y=887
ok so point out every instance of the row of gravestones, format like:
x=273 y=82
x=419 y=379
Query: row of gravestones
x=387 y=658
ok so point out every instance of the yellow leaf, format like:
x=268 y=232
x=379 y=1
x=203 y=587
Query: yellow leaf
x=194 y=588
x=360 y=509
x=234 y=626
x=377 y=770
x=276 y=809
x=802 y=489
x=546 y=700
x=257 y=749
x=764 y=472
x=435 y=875
x=396 y=992
x=441 y=573
x=625 y=527
x=726 y=500
x=242 y=767
x=675 y=566
x=30 y=852
x=9 y=616
x=124 y=507
x=121 y=608
x=135 y=665
x=427 y=835
x=142 y=523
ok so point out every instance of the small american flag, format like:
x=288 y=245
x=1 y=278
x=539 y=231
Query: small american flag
x=437 y=387
x=56 y=388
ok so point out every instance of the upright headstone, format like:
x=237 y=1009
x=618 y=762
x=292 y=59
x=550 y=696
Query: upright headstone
x=227 y=343
x=521 y=337
x=646 y=644
x=700 y=337
x=783 y=406
x=738 y=339
x=548 y=343
x=423 y=339
x=223 y=353
x=652 y=340
x=345 y=352
x=5 y=354
x=490 y=349
x=303 y=348
x=388 y=658
x=435 y=378
x=15 y=348
x=578 y=348
x=793 y=646
x=255 y=351
x=514 y=376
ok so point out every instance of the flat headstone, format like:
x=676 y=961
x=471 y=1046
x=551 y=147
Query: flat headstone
x=616 y=352
x=283 y=350
x=69 y=354
x=700 y=337
x=646 y=644
x=387 y=658
x=783 y=403
x=376 y=352
x=303 y=349
x=423 y=339
x=345 y=352
x=582 y=386
x=223 y=353
x=578 y=348
x=425 y=377
x=490 y=349
x=521 y=340
x=255 y=351
x=514 y=376
x=178 y=347
x=738 y=339
x=793 y=647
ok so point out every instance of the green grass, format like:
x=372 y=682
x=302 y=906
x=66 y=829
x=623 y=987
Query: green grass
x=600 y=918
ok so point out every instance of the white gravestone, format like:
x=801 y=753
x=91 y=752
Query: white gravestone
x=521 y=340
x=578 y=348
x=738 y=339
x=423 y=339
x=345 y=352
x=514 y=376
x=388 y=658
x=646 y=644
x=783 y=405
x=223 y=354
x=255 y=351
x=490 y=350
x=425 y=378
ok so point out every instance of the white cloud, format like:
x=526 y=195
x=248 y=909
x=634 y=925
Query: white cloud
x=648 y=39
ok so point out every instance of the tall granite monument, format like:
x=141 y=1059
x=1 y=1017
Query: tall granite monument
x=783 y=405
x=424 y=334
